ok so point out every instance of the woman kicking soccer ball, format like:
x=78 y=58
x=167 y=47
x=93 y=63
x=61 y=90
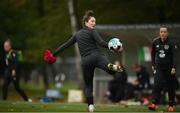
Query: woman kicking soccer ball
x=88 y=40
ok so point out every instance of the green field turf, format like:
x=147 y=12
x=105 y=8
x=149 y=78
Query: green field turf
x=76 y=108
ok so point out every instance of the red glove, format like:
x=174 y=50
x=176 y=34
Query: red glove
x=48 y=57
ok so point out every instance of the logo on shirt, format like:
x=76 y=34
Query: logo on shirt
x=162 y=53
x=166 y=47
x=157 y=46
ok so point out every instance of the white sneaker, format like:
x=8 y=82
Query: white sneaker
x=91 y=108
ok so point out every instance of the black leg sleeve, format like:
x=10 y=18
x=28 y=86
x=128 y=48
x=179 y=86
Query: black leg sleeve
x=6 y=83
x=158 y=86
x=170 y=86
x=18 y=89
x=88 y=74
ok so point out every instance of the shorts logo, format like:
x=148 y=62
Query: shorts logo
x=166 y=47
x=157 y=46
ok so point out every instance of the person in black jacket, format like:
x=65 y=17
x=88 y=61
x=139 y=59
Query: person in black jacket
x=11 y=71
x=88 y=40
x=117 y=86
x=143 y=77
x=164 y=58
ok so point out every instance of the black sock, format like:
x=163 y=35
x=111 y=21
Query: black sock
x=90 y=100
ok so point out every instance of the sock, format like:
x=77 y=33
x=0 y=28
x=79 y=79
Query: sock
x=90 y=100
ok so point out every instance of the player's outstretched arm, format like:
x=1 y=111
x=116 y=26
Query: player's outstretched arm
x=50 y=57
x=70 y=42
x=98 y=39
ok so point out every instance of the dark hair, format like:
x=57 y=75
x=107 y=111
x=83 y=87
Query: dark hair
x=88 y=14
x=164 y=26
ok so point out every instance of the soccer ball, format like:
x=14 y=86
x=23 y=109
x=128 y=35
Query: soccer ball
x=115 y=45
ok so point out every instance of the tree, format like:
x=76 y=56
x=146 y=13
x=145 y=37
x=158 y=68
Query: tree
x=40 y=8
x=75 y=28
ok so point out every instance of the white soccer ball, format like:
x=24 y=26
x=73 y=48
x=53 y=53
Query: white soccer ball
x=115 y=45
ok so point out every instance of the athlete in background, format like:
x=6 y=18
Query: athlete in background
x=164 y=58
x=88 y=40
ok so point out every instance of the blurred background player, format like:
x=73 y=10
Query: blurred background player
x=142 y=83
x=164 y=59
x=143 y=77
x=11 y=71
x=88 y=40
x=119 y=90
x=117 y=86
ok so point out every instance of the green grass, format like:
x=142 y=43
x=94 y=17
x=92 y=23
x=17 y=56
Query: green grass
x=36 y=91
x=7 y=106
x=17 y=105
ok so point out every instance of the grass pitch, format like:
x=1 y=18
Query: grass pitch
x=35 y=107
